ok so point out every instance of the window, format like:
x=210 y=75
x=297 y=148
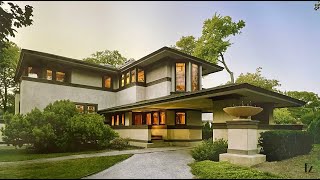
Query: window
x=180 y=118
x=112 y=120
x=80 y=108
x=128 y=78
x=155 y=116
x=137 y=119
x=140 y=75
x=60 y=76
x=148 y=118
x=162 y=118
x=34 y=72
x=49 y=74
x=122 y=80
x=133 y=75
x=91 y=109
x=122 y=119
x=195 y=78
x=117 y=122
x=180 y=77
x=107 y=82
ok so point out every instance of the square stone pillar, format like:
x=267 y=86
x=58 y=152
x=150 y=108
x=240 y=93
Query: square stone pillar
x=242 y=143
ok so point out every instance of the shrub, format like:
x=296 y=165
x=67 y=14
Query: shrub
x=284 y=144
x=314 y=127
x=58 y=128
x=209 y=150
x=207 y=132
x=119 y=143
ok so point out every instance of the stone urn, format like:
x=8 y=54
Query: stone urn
x=242 y=112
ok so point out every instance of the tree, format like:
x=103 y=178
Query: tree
x=214 y=41
x=8 y=63
x=113 y=58
x=257 y=79
x=283 y=116
x=11 y=19
x=317 y=6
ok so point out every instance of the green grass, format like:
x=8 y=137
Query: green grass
x=66 y=169
x=224 y=170
x=293 y=168
x=9 y=154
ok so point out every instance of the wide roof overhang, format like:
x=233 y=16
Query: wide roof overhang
x=203 y=100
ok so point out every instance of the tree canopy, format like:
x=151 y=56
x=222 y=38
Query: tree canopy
x=9 y=58
x=113 y=58
x=214 y=41
x=12 y=19
x=257 y=79
x=317 y=6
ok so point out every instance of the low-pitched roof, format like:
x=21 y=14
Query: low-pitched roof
x=144 y=61
x=219 y=92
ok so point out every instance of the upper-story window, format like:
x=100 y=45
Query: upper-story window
x=34 y=72
x=195 y=77
x=122 y=80
x=180 y=76
x=180 y=117
x=86 y=108
x=107 y=82
x=49 y=75
x=140 y=75
x=133 y=75
x=60 y=76
x=128 y=78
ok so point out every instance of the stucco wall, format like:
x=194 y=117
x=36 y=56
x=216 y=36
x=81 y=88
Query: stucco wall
x=158 y=90
x=130 y=95
x=86 y=78
x=136 y=134
x=184 y=134
x=159 y=132
x=36 y=94
x=158 y=71
x=194 y=118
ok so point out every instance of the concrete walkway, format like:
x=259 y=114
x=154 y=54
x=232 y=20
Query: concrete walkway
x=155 y=165
x=110 y=153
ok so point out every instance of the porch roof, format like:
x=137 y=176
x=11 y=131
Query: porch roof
x=202 y=100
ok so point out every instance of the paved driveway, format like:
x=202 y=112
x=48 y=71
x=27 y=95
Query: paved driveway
x=155 y=165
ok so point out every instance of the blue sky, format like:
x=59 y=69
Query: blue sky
x=281 y=37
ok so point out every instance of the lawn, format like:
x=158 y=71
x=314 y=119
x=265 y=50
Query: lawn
x=224 y=170
x=293 y=168
x=66 y=169
x=9 y=153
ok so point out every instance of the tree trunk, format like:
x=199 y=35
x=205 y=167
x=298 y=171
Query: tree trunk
x=226 y=67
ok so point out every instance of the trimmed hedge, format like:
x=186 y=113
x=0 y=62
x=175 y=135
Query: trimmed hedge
x=284 y=144
x=209 y=150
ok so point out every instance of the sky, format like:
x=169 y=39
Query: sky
x=281 y=37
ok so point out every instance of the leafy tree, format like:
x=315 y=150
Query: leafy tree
x=214 y=41
x=8 y=63
x=283 y=116
x=113 y=58
x=257 y=79
x=317 y=6
x=207 y=131
x=11 y=19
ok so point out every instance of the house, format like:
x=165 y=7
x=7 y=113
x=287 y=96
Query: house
x=156 y=99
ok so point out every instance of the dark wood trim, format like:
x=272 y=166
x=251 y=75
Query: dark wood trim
x=158 y=81
x=63 y=83
x=132 y=127
x=177 y=126
x=182 y=140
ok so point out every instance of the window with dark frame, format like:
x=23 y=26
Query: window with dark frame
x=148 y=118
x=180 y=118
x=60 y=76
x=128 y=78
x=49 y=74
x=122 y=80
x=86 y=108
x=180 y=76
x=118 y=119
x=133 y=75
x=80 y=108
x=107 y=82
x=155 y=118
x=141 y=75
x=195 y=77
x=162 y=118
x=34 y=72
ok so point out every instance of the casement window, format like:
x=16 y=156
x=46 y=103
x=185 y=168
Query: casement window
x=137 y=119
x=180 y=76
x=128 y=78
x=141 y=75
x=162 y=118
x=118 y=119
x=107 y=83
x=155 y=118
x=49 y=75
x=180 y=117
x=148 y=118
x=34 y=72
x=122 y=80
x=133 y=75
x=86 y=108
x=195 y=77
x=60 y=76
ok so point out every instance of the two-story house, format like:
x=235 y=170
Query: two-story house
x=158 y=98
